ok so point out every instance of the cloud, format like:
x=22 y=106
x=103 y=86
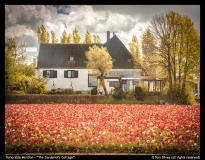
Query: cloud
x=62 y=9
x=22 y=21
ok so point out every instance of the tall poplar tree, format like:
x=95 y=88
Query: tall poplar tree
x=76 y=36
x=134 y=48
x=42 y=34
x=96 y=38
x=88 y=38
x=53 y=37
x=64 y=37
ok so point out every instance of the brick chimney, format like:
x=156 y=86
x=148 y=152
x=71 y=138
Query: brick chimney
x=108 y=35
x=113 y=33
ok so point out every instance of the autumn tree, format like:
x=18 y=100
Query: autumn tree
x=66 y=38
x=14 y=57
x=76 y=36
x=88 y=38
x=134 y=48
x=42 y=34
x=53 y=37
x=177 y=51
x=69 y=38
x=96 y=38
x=150 y=59
x=100 y=62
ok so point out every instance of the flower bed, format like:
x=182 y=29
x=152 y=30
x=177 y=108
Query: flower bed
x=44 y=128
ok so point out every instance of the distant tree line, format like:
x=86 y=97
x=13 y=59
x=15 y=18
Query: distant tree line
x=66 y=38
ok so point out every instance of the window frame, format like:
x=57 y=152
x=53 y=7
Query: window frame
x=93 y=77
x=114 y=83
x=51 y=73
x=73 y=73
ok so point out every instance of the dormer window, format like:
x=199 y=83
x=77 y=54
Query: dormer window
x=71 y=58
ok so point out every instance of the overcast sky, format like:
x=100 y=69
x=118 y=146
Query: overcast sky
x=22 y=21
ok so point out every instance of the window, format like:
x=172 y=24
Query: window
x=50 y=73
x=92 y=81
x=114 y=83
x=71 y=58
x=135 y=83
x=70 y=74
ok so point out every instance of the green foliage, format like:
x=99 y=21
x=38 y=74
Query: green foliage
x=32 y=82
x=62 y=91
x=78 y=92
x=172 y=45
x=130 y=95
x=40 y=88
x=117 y=93
x=15 y=65
x=68 y=91
x=179 y=96
x=17 y=92
x=139 y=93
x=94 y=91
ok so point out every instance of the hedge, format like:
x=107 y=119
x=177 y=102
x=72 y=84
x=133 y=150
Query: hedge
x=50 y=98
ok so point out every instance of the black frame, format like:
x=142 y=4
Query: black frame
x=74 y=74
x=53 y=73
x=90 y=84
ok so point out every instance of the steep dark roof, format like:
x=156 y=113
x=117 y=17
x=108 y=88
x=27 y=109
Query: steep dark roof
x=123 y=58
x=57 y=55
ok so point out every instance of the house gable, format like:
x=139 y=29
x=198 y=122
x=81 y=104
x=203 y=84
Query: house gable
x=73 y=55
x=123 y=59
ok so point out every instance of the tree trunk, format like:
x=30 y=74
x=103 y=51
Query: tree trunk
x=104 y=87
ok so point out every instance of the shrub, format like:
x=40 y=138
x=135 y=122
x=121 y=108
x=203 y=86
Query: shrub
x=179 y=96
x=18 y=87
x=117 y=93
x=53 y=89
x=130 y=95
x=17 y=92
x=63 y=91
x=78 y=92
x=139 y=95
x=68 y=91
x=40 y=88
x=94 y=91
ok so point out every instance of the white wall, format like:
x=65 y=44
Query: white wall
x=80 y=83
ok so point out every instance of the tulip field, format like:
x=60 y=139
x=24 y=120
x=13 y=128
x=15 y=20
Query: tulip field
x=102 y=128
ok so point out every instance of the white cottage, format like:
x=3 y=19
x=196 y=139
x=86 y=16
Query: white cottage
x=65 y=65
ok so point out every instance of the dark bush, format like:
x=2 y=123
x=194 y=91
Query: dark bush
x=139 y=95
x=117 y=93
x=94 y=91
x=181 y=96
